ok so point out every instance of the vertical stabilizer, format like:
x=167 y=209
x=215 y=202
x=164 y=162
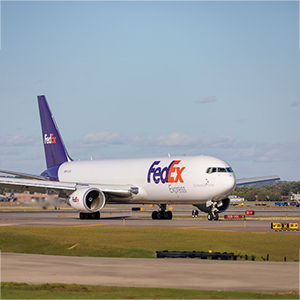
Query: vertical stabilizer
x=55 y=151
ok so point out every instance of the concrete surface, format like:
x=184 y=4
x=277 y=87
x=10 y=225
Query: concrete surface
x=165 y=273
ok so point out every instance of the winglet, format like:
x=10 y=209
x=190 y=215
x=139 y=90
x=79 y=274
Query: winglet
x=55 y=150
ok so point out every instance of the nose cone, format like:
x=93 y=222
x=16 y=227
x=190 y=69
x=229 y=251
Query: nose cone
x=228 y=184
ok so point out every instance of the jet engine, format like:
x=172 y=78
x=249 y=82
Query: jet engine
x=87 y=199
x=221 y=205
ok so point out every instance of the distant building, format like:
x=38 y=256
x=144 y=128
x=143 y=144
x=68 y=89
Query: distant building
x=234 y=198
x=295 y=197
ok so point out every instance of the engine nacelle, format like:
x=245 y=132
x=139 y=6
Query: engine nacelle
x=221 y=206
x=87 y=199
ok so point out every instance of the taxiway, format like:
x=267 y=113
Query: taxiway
x=118 y=216
x=163 y=273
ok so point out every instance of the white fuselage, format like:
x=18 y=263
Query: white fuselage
x=164 y=180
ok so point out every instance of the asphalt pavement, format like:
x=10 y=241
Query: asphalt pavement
x=254 y=276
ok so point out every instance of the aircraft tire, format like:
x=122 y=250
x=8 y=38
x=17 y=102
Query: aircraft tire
x=95 y=215
x=210 y=217
x=168 y=215
x=216 y=217
x=160 y=215
x=154 y=215
x=89 y=216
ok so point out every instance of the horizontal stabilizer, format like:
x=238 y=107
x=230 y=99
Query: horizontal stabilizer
x=23 y=175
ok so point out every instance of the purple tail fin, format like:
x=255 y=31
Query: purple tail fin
x=55 y=151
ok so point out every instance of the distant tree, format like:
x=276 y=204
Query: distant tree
x=295 y=187
x=2 y=191
x=275 y=191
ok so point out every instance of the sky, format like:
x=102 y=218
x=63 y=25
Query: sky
x=147 y=79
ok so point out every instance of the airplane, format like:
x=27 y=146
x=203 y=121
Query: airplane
x=11 y=197
x=87 y=186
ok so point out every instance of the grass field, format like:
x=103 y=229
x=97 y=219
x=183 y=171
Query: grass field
x=138 y=243
x=144 y=242
x=73 y=291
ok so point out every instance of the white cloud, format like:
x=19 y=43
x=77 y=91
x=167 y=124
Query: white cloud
x=175 y=139
x=295 y=103
x=225 y=147
x=104 y=137
x=206 y=99
x=19 y=140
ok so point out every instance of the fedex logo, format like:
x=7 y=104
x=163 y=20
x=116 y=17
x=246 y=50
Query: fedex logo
x=75 y=199
x=172 y=173
x=49 y=139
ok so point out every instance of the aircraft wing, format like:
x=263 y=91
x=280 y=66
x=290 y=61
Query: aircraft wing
x=65 y=189
x=24 y=175
x=246 y=181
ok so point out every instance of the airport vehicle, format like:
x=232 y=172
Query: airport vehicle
x=286 y=203
x=202 y=181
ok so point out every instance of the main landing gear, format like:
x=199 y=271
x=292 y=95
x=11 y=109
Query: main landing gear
x=162 y=213
x=89 y=216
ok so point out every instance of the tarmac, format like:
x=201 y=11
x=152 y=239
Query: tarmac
x=162 y=273
x=116 y=217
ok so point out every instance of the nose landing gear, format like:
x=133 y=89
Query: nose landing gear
x=213 y=216
x=214 y=212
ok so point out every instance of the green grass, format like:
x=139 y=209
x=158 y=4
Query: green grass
x=73 y=291
x=144 y=242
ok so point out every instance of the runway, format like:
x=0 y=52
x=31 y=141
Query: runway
x=163 y=273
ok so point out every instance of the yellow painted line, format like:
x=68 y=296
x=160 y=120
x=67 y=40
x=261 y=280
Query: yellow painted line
x=88 y=225
x=289 y=231
x=212 y=227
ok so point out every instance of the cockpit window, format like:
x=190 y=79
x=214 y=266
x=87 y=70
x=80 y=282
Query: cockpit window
x=210 y=170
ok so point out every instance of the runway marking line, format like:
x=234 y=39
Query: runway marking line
x=88 y=225
x=199 y=227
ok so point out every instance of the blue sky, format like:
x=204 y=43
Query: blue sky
x=144 y=79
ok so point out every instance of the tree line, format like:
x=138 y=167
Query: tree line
x=272 y=192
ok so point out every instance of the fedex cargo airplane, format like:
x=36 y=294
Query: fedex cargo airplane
x=202 y=181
